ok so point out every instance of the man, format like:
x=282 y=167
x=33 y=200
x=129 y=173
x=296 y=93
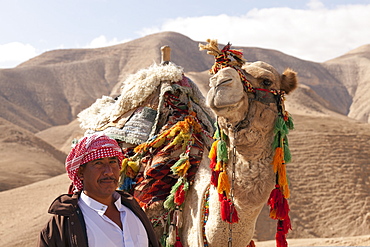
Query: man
x=96 y=214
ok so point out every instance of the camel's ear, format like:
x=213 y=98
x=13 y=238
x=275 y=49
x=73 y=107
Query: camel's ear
x=289 y=80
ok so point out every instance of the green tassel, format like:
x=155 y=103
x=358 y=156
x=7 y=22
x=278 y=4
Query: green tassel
x=287 y=154
x=281 y=127
x=289 y=123
x=174 y=188
x=276 y=142
x=222 y=151
x=186 y=186
x=216 y=135
x=169 y=203
x=179 y=163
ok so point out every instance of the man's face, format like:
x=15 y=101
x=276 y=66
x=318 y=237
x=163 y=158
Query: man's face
x=100 y=177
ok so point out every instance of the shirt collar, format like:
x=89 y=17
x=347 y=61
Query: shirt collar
x=100 y=208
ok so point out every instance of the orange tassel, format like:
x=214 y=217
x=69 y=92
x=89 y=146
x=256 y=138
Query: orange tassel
x=286 y=191
x=278 y=160
x=282 y=175
x=213 y=152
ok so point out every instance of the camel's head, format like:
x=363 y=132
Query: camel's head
x=229 y=96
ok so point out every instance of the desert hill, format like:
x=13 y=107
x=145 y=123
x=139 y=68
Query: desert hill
x=26 y=158
x=353 y=70
x=329 y=173
x=51 y=89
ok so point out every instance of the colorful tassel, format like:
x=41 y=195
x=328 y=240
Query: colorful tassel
x=222 y=151
x=280 y=236
x=223 y=183
x=225 y=209
x=214 y=178
x=278 y=160
x=179 y=197
x=228 y=211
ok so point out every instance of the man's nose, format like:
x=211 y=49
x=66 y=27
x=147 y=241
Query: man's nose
x=108 y=169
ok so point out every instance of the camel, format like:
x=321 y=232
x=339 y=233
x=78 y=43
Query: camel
x=172 y=157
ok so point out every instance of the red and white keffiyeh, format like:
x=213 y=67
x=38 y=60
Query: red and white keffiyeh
x=87 y=149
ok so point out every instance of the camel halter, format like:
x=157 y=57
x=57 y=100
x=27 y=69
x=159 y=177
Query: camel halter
x=218 y=154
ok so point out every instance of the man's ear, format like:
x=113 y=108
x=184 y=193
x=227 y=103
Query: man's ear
x=80 y=172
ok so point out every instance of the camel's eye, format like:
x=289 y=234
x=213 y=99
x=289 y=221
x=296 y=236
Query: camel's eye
x=267 y=82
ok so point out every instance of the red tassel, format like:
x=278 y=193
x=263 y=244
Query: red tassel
x=213 y=163
x=286 y=225
x=178 y=242
x=214 y=178
x=282 y=209
x=226 y=208
x=280 y=236
x=234 y=218
x=251 y=244
x=220 y=197
x=275 y=197
x=179 y=195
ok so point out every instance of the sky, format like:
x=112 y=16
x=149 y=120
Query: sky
x=314 y=30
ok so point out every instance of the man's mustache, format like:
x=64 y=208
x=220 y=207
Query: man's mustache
x=108 y=178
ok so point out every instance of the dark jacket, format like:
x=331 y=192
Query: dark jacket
x=67 y=226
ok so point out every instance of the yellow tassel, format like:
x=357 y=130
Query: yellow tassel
x=134 y=165
x=213 y=152
x=183 y=168
x=223 y=183
x=219 y=165
x=278 y=159
x=123 y=165
x=159 y=141
x=140 y=148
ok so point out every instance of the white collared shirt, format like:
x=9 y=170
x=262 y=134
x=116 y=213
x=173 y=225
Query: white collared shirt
x=103 y=232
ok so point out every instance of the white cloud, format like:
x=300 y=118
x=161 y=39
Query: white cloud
x=102 y=41
x=315 y=33
x=11 y=54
